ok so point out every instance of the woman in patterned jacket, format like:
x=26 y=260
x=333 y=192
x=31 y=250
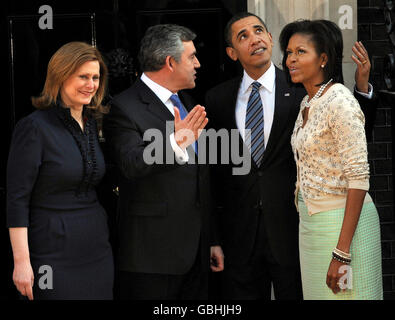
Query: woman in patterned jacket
x=339 y=230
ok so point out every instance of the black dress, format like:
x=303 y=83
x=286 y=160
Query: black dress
x=53 y=168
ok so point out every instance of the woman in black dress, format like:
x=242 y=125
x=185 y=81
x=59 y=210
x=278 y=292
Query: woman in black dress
x=58 y=229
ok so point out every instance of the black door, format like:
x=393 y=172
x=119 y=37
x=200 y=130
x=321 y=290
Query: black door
x=116 y=28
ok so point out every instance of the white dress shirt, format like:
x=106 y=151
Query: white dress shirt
x=267 y=92
x=164 y=95
x=368 y=95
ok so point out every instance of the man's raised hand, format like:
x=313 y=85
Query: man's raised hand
x=188 y=130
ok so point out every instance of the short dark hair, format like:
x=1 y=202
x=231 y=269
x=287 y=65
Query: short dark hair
x=237 y=17
x=160 y=41
x=326 y=37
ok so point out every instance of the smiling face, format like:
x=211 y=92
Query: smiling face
x=81 y=86
x=185 y=69
x=251 y=45
x=303 y=62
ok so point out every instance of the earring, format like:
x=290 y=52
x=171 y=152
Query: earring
x=322 y=66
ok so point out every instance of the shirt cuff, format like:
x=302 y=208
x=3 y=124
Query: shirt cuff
x=368 y=95
x=359 y=184
x=181 y=155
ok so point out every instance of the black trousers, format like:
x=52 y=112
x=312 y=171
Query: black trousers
x=252 y=281
x=151 y=286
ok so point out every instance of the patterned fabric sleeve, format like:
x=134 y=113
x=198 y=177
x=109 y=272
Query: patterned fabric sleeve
x=346 y=122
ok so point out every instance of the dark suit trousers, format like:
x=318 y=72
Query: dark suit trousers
x=252 y=281
x=151 y=286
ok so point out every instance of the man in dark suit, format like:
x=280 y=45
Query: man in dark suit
x=164 y=199
x=256 y=213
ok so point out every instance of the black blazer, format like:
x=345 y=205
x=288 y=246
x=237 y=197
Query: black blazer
x=266 y=192
x=163 y=208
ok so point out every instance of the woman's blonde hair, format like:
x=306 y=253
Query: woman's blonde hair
x=62 y=65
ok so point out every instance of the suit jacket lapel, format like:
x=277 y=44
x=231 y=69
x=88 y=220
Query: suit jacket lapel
x=282 y=106
x=230 y=107
x=154 y=105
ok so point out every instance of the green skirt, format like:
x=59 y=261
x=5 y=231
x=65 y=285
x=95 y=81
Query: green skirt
x=318 y=236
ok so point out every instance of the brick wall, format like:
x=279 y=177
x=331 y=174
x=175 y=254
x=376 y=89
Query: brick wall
x=372 y=32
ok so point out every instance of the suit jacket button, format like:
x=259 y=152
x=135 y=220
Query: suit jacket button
x=260 y=173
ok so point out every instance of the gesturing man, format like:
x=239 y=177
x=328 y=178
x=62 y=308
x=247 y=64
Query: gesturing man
x=164 y=206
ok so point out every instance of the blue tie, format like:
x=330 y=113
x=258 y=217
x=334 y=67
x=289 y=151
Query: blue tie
x=183 y=113
x=255 y=137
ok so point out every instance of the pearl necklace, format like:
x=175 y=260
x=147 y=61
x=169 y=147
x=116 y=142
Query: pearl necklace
x=317 y=95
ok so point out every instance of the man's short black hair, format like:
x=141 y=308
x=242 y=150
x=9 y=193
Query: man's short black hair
x=237 y=17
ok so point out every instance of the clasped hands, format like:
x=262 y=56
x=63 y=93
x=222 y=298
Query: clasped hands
x=188 y=130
